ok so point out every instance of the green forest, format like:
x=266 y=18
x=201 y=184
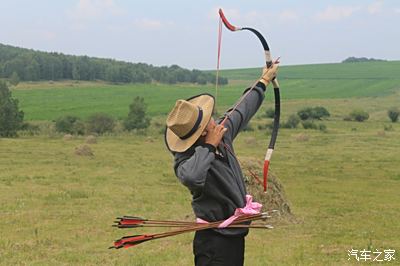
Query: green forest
x=21 y=64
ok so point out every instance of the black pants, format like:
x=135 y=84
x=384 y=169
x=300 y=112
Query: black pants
x=211 y=248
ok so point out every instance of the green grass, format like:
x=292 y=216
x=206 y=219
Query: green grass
x=57 y=207
x=48 y=101
x=326 y=81
x=343 y=185
x=363 y=70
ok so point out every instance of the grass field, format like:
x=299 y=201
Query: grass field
x=47 y=101
x=343 y=184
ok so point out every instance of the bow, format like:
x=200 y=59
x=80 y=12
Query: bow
x=269 y=63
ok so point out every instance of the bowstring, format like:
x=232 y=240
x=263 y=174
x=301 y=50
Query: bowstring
x=218 y=58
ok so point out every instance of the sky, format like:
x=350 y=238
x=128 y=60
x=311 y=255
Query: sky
x=184 y=32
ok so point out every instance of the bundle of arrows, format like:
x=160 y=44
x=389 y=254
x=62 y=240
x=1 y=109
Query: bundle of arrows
x=184 y=227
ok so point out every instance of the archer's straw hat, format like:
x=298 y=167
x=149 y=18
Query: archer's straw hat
x=187 y=120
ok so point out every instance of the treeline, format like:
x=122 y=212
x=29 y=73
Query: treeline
x=361 y=59
x=29 y=65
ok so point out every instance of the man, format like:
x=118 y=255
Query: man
x=206 y=164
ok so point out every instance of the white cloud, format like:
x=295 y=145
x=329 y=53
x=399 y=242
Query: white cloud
x=375 y=7
x=397 y=10
x=93 y=9
x=48 y=35
x=336 y=12
x=152 y=24
x=288 y=15
x=251 y=17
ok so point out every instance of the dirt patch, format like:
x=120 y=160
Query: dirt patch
x=302 y=137
x=149 y=140
x=381 y=134
x=250 y=141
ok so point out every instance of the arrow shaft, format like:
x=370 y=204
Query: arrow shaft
x=135 y=240
x=176 y=225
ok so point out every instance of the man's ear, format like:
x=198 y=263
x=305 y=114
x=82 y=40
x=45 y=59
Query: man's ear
x=203 y=133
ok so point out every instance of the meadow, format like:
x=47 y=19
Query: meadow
x=49 y=100
x=343 y=183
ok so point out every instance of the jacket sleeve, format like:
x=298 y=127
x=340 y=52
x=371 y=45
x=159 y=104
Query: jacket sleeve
x=241 y=116
x=191 y=167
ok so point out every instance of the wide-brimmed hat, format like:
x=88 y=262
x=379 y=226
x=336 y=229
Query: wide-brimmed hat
x=187 y=120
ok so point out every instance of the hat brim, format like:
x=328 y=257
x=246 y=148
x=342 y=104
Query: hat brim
x=175 y=143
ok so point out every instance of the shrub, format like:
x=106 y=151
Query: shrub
x=359 y=115
x=10 y=116
x=221 y=80
x=347 y=118
x=305 y=113
x=79 y=128
x=317 y=112
x=202 y=80
x=100 y=123
x=388 y=128
x=30 y=128
x=292 y=122
x=137 y=115
x=267 y=126
x=270 y=113
x=14 y=79
x=70 y=124
x=261 y=127
x=308 y=124
x=393 y=114
x=65 y=123
x=322 y=127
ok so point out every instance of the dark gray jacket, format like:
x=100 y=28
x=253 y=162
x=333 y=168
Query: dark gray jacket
x=216 y=181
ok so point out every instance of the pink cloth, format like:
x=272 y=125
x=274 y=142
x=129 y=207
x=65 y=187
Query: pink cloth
x=250 y=208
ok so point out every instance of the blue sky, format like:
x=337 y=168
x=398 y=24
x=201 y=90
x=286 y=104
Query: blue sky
x=185 y=32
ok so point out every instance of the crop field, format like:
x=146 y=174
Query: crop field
x=47 y=101
x=343 y=183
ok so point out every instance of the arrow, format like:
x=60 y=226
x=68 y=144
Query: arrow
x=130 y=241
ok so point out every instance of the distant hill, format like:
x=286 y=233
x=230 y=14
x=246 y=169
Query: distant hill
x=361 y=59
x=334 y=71
x=327 y=81
x=31 y=65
